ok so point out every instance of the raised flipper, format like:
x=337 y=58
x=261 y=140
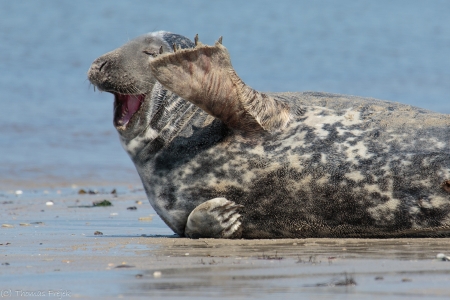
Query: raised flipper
x=215 y=218
x=204 y=76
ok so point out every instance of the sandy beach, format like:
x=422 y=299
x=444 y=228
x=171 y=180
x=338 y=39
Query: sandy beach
x=55 y=243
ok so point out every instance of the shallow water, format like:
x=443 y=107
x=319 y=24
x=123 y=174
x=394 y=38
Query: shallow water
x=55 y=130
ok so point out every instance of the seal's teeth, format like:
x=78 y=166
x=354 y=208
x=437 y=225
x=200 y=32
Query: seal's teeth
x=161 y=50
x=196 y=40
x=174 y=48
x=220 y=40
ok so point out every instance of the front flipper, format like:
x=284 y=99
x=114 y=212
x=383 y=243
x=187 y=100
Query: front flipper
x=215 y=218
x=204 y=76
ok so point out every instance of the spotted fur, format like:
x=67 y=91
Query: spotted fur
x=325 y=166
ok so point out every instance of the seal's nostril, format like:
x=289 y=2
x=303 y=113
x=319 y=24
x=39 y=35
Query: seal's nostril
x=101 y=66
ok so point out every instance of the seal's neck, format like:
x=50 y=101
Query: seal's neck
x=166 y=114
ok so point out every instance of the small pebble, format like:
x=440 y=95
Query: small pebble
x=18 y=192
x=132 y=208
x=138 y=202
x=406 y=280
x=25 y=224
x=379 y=278
x=49 y=203
x=157 y=274
x=113 y=214
x=187 y=254
x=7 y=225
x=146 y=219
x=139 y=276
x=443 y=257
x=98 y=233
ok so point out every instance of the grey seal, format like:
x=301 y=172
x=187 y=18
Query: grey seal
x=220 y=160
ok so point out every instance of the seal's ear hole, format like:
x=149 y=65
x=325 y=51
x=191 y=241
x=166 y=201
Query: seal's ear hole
x=446 y=186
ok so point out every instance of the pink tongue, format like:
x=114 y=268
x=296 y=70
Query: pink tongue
x=133 y=103
x=128 y=105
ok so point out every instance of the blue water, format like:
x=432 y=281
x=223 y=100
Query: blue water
x=56 y=131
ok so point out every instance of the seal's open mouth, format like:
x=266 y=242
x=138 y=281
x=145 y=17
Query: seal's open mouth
x=125 y=106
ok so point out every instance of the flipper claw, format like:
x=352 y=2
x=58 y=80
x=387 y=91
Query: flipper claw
x=215 y=218
x=196 y=40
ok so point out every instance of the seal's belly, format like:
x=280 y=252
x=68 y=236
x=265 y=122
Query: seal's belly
x=325 y=170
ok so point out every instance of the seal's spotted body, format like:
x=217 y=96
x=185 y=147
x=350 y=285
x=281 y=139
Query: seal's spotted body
x=291 y=165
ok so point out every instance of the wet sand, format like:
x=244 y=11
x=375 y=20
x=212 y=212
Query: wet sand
x=53 y=251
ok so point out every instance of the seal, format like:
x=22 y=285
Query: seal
x=220 y=160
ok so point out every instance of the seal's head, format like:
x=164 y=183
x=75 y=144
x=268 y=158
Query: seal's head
x=125 y=72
